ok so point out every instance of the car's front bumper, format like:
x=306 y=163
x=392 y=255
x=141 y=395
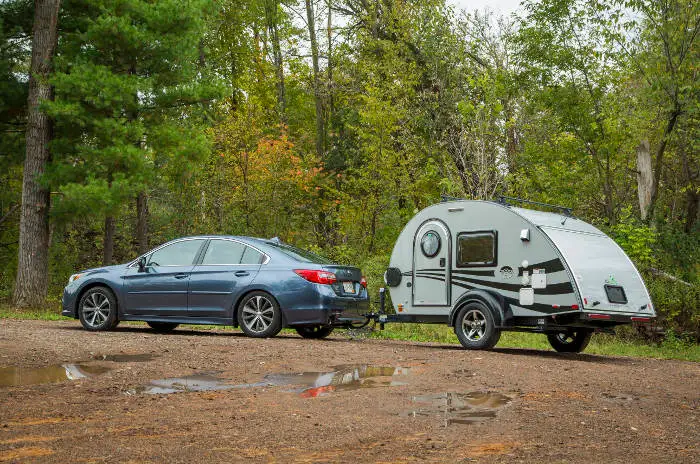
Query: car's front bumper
x=68 y=302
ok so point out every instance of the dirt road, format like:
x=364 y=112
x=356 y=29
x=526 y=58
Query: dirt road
x=337 y=400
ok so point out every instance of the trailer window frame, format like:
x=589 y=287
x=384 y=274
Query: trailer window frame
x=492 y=233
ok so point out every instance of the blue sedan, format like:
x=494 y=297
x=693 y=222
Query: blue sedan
x=260 y=285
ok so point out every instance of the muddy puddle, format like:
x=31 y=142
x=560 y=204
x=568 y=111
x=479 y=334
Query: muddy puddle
x=17 y=376
x=306 y=384
x=459 y=408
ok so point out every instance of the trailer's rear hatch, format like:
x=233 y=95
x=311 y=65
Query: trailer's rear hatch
x=606 y=278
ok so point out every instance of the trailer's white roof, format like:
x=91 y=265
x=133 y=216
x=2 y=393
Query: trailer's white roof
x=560 y=221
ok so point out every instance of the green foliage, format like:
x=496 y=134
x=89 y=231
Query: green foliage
x=181 y=101
x=636 y=238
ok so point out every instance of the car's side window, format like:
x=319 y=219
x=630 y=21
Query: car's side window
x=251 y=256
x=223 y=252
x=176 y=254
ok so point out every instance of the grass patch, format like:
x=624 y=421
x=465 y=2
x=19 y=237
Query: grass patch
x=609 y=345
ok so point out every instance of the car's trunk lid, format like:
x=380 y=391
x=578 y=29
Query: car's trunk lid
x=347 y=279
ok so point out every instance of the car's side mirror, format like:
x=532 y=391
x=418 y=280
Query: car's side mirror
x=142 y=264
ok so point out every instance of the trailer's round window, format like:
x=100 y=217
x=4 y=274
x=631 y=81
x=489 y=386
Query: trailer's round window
x=430 y=244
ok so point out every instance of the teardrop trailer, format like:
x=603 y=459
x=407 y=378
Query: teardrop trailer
x=483 y=267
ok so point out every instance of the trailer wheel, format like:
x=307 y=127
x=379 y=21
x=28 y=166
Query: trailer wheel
x=475 y=327
x=574 y=341
x=314 y=331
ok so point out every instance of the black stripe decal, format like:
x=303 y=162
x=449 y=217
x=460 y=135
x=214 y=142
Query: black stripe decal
x=563 y=288
x=461 y=271
x=553 y=265
x=553 y=289
x=540 y=307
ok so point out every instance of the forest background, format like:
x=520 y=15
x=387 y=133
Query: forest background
x=330 y=123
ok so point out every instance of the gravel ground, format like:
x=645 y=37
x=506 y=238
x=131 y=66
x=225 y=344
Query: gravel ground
x=361 y=400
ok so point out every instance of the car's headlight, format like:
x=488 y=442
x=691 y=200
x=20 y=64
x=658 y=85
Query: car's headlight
x=74 y=277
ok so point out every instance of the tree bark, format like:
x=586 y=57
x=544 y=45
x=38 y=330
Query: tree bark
x=142 y=222
x=33 y=257
x=320 y=131
x=272 y=19
x=645 y=179
x=658 y=164
x=108 y=246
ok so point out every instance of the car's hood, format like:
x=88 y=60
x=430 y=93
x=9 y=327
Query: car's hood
x=105 y=269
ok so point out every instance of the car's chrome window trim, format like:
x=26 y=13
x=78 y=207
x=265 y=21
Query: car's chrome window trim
x=265 y=260
x=172 y=242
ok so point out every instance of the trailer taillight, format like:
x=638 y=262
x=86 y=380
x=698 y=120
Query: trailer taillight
x=641 y=319
x=363 y=282
x=599 y=316
x=574 y=306
x=316 y=276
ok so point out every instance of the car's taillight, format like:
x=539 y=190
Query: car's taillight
x=363 y=282
x=316 y=276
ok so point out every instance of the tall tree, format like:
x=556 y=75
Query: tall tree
x=32 y=266
x=126 y=85
x=318 y=98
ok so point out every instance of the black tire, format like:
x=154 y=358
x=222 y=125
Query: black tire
x=314 y=331
x=259 y=315
x=163 y=327
x=475 y=327
x=574 y=341
x=97 y=309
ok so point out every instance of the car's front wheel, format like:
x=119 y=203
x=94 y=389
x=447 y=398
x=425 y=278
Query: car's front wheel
x=314 y=331
x=98 y=309
x=259 y=315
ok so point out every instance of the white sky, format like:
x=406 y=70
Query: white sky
x=504 y=7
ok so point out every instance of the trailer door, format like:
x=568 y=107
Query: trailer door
x=431 y=264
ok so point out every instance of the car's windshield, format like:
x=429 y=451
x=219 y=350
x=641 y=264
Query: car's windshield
x=301 y=255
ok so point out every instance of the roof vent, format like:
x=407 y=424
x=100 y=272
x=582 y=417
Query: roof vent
x=276 y=240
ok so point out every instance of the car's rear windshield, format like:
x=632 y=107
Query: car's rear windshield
x=301 y=255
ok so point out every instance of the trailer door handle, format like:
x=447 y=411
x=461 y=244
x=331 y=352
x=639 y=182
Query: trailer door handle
x=181 y=276
x=242 y=273
x=442 y=262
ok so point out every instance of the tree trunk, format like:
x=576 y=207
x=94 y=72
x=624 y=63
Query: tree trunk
x=329 y=66
x=272 y=19
x=320 y=132
x=645 y=179
x=142 y=222
x=33 y=256
x=108 y=246
x=658 y=165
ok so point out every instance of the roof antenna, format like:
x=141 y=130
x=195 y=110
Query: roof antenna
x=276 y=240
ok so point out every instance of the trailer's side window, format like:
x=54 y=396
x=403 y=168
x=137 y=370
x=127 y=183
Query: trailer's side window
x=476 y=249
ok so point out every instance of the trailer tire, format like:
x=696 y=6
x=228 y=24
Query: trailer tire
x=475 y=327
x=574 y=341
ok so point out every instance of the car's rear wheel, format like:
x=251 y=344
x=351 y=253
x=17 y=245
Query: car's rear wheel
x=475 y=327
x=314 y=331
x=97 y=309
x=573 y=341
x=259 y=315
x=163 y=326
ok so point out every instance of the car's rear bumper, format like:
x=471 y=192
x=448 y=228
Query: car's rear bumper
x=330 y=311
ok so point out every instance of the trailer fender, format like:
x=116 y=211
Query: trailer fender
x=499 y=306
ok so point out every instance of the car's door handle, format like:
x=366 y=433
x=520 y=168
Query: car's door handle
x=242 y=273
x=181 y=276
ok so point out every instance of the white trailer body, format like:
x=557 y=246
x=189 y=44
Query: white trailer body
x=545 y=271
